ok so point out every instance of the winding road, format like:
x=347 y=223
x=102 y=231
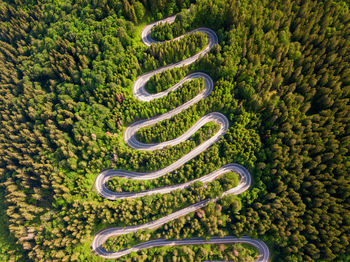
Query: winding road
x=130 y=138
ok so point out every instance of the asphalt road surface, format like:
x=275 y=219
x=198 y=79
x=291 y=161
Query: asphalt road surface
x=130 y=138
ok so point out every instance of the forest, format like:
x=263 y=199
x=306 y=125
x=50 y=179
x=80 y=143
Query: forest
x=282 y=78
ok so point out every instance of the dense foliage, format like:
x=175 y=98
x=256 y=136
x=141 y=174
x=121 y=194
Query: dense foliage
x=235 y=252
x=164 y=131
x=208 y=222
x=173 y=51
x=282 y=78
x=165 y=80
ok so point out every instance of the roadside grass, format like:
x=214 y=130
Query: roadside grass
x=270 y=243
x=83 y=252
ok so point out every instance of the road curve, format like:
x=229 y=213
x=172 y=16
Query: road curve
x=100 y=183
x=130 y=138
x=263 y=250
x=130 y=132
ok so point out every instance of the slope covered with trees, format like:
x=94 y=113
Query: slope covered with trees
x=282 y=76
